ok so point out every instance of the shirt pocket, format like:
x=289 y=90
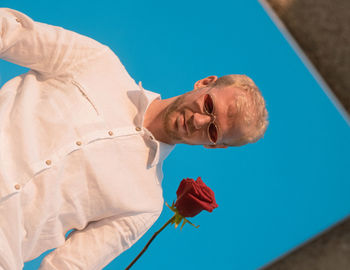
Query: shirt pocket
x=87 y=100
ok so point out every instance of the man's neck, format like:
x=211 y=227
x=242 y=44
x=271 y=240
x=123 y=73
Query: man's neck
x=153 y=119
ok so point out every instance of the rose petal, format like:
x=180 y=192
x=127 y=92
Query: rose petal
x=193 y=197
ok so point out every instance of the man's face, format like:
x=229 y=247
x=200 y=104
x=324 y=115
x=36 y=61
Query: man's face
x=186 y=121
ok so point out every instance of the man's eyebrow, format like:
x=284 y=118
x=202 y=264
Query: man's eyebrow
x=232 y=113
x=231 y=110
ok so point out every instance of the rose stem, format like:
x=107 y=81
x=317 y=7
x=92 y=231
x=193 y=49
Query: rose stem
x=149 y=242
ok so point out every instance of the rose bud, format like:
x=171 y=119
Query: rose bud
x=193 y=197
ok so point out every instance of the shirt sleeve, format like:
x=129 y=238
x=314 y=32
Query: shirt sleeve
x=99 y=243
x=47 y=49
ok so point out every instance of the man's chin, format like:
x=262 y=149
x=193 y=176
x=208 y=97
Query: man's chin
x=174 y=138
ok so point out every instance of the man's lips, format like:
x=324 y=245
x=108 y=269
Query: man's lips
x=180 y=124
x=185 y=126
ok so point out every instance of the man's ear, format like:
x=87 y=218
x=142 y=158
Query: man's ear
x=215 y=146
x=205 y=82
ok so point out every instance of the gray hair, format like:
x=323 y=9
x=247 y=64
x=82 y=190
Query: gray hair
x=251 y=106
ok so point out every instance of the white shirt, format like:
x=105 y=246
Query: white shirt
x=73 y=151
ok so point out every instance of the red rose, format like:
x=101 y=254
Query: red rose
x=193 y=197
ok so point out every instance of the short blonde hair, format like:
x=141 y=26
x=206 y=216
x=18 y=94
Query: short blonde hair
x=251 y=107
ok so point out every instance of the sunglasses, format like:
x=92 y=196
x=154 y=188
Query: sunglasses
x=212 y=129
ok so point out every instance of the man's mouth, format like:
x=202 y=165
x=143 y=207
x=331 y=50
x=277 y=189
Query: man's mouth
x=185 y=126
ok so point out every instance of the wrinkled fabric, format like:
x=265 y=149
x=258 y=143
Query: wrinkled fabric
x=73 y=150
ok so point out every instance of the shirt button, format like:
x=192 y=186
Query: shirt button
x=151 y=137
x=17 y=186
x=18 y=20
x=48 y=162
x=110 y=133
x=78 y=143
x=138 y=129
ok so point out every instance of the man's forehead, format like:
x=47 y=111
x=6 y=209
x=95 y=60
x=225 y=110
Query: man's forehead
x=230 y=100
x=232 y=109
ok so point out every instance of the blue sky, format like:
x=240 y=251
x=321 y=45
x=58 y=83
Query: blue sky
x=273 y=195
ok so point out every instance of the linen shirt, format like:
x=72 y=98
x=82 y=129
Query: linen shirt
x=73 y=150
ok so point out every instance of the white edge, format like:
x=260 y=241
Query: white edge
x=315 y=237
x=305 y=60
x=328 y=92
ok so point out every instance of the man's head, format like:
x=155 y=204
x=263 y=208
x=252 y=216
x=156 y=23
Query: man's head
x=218 y=112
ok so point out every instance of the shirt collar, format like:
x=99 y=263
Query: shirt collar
x=162 y=150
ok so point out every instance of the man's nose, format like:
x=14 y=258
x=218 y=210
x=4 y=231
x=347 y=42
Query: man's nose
x=200 y=120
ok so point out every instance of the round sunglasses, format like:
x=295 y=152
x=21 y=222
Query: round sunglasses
x=212 y=129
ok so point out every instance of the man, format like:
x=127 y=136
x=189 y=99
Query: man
x=82 y=145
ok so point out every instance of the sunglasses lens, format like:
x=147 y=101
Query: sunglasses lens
x=208 y=104
x=213 y=133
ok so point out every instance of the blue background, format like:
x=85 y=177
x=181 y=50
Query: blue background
x=273 y=195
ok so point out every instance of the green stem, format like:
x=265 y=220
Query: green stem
x=150 y=241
